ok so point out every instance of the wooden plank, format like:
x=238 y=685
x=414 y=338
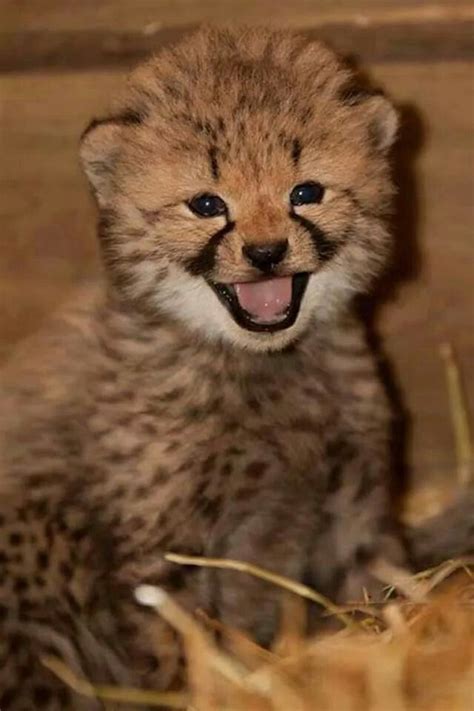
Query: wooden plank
x=141 y=15
x=377 y=40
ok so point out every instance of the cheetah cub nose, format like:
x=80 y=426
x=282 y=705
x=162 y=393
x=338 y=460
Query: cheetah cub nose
x=265 y=256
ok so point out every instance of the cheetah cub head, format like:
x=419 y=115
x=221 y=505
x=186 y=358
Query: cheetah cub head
x=243 y=185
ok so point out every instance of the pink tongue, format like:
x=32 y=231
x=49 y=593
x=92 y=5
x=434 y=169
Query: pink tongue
x=265 y=300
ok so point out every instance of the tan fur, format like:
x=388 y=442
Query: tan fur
x=154 y=422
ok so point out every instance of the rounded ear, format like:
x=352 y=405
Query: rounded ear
x=98 y=152
x=383 y=121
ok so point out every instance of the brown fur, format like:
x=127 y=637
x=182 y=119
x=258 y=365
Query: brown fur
x=148 y=420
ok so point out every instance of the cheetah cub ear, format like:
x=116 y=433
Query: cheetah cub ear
x=99 y=148
x=376 y=111
x=383 y=121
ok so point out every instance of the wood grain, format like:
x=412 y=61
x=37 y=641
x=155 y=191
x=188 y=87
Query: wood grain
x=32 y=50
x=60 y=15
x=111 y=34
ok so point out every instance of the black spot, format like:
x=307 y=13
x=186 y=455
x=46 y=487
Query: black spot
x=72 y=602
x=41 y=695
x=200 y=489
x=231 y=426
x=254 y=405
x=61 y=524
x=325 y=248
x=171 y=395
x=42 y=560
x=40 y=508
x=210 y=508
x=296 y=151
x=15 y=539
x=208 y=464
x=335 y=478
x=326 y=520
x=24 y=609
x=172 y=90
x=163 y=519
x=160 y=476
x=78 y=534
x=36 y=480
x=150 y=662
x=363 y=555
x=66 y=570
x=210 y=130
x=20 y=585
x=234 y=451
x=203 y=262
x=120 y=491
x=213 y=162
x=3 y=558
x=366 y=486
x=117 y=457
x=196 y=413
x=255 y=470
x=226 y=469
x=3 y=613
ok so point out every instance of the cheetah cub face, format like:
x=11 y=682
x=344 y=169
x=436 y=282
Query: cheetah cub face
x=243 y=184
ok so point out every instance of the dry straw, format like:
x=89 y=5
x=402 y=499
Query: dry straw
x=408 y=656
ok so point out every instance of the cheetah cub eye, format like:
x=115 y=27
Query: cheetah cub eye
x=307 y=193
x=207 y=205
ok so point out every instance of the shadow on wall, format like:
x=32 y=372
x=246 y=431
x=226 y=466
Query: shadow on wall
x=405 y=267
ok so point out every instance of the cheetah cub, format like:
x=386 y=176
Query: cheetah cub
x=216 y=395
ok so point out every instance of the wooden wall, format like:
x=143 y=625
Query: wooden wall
x=59 y=66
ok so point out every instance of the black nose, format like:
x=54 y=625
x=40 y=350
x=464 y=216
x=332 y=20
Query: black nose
x=265 y=256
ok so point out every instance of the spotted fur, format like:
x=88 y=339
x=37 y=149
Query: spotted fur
x=146 y=420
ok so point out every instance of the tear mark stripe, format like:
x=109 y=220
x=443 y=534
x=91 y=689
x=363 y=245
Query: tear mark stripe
x=204 y=261
x=325 y=248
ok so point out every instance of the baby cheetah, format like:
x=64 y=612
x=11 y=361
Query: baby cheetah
x=216 y=396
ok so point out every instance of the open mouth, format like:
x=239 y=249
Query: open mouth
x=267 y=305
